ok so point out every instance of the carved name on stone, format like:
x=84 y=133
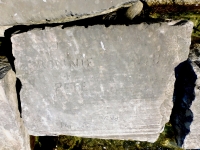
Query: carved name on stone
x=114 y=82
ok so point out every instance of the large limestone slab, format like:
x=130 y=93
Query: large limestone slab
x=13 y=133
x=193 y=138
x=114 y=82
x=48 y=11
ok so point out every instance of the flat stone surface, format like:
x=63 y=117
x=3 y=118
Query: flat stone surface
x=47 y=11
x=114 y=82
x=193 y=138
x=13 y=134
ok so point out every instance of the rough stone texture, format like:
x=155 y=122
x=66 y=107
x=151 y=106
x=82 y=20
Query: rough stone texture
x=47 y=11
x=114 y=82
x=193 y=138
x=13 y=134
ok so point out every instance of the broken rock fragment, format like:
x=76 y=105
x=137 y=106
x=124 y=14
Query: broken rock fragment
x=192 y=139
x=115 y=82
x=13 y=133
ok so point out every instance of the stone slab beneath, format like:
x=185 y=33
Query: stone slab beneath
x=107 y=82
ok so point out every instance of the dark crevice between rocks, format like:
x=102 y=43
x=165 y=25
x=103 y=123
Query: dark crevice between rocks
x=4 y=64
x=18 y=89
x=7 y=51
x=184 y=94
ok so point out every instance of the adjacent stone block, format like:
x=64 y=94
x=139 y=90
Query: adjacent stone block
x=114 y=82
x=193 y=138
x=47 y=11
x=13 y=133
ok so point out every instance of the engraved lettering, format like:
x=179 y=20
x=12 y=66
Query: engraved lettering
x=109 y=118
x=69 y=88
x=90 y=62
x=57 y=86
x=64 y=125
x=41 y=64
x=74 y=64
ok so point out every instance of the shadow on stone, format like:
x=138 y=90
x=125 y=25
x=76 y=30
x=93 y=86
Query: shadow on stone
x=18 y=89
x=181 y=116
x=46 y=143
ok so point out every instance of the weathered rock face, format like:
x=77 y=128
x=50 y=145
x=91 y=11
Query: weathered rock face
x=193 y=138
x=46 y=11
x=114 y=82
x=13 y=134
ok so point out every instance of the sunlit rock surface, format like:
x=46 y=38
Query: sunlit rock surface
x=13 y=134
x=115 y=82
x=48 y=11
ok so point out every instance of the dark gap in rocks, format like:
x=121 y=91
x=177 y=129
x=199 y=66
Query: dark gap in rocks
x=6 y=50
x=18 y=89
x=4 y=63
x=45 y=143
x=181 y=116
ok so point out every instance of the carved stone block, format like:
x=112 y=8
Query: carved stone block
x=114 y=82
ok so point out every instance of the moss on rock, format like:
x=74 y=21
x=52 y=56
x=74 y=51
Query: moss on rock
x=165 y=141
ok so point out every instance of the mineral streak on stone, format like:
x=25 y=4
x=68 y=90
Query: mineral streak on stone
x=193 y=138
x=53 y=11
x=114 y=82
x=13 y=133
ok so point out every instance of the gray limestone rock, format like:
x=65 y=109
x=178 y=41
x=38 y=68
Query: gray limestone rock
x=49 y=11
x=114 y=82
x=193 y=138
x=13 y=133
